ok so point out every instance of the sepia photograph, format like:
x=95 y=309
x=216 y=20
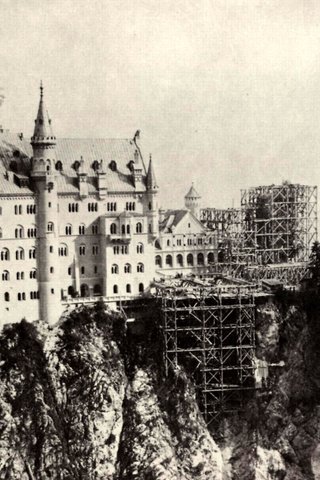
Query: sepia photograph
x=159 y=253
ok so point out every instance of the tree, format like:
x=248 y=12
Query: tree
x=314 y=265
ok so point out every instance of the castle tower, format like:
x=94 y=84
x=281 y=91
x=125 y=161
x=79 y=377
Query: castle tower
x=192 y=202
x=152 y=194
x=44 y=179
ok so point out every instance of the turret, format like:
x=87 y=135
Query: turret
x=102 y=180
x=82 y=179
x=43 y=174
x=192 y=201
x=152 y=193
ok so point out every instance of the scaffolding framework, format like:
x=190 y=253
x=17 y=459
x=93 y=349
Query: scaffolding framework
x=213 y=336
x=279 y=223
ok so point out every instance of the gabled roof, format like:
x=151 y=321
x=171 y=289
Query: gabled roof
x=69 y=150
x=175 y=220
x=171 y=219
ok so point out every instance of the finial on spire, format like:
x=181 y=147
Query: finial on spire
x=150 y=157
x=41 y=89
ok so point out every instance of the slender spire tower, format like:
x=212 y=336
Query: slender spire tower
x=152 y=189
x=44 y=176
x=192 y=201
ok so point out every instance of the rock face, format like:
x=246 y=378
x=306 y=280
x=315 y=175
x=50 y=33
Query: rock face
x=86 y=400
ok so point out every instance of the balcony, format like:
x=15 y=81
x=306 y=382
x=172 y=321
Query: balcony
x=119 y=238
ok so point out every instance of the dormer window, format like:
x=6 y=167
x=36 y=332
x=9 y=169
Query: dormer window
x=59 y=166
x=95 y=165
x=113 y=165
x=13 y=166
x=131 y=165
x=76 y=165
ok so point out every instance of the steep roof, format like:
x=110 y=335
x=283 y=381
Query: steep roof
x=68 y=150
x=171 y=219
x=151 y=181
x=192 y=193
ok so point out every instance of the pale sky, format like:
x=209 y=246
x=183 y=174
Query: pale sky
x=226 y=93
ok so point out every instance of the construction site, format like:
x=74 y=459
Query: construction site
x=208 y=324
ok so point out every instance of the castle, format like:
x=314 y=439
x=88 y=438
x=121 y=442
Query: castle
x=80 y=218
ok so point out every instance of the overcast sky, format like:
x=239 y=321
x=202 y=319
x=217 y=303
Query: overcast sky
x=226 y=93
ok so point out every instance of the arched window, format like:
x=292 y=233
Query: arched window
x=82 y=228
x=210 y=257
x=71 y=291
x=200 y=259
x=113 y=165
x=114 y=268
x=128 y=229
x=169 y=260
x=180 y=260
x=95 y=249
x=113 y=229
x=82 y=270
x=82 y=250
x=84 y=290
x=141 y=288
x=139 y=227
x=33 y=273
x=168 y=243
x=94 y=229
x=19 y=232
x=0 y=232
x=63 y=250
x=159 y=261
x=32 y=232
x=127 y=268
x=97 y=289
x=140 y=268
x=51 y=269
x=115 y=289
x=123 y=229
x=5 y=275
x=5 y=254
x=7 y=297
x=59 y=166
x=190 y=260
x=20 y=254
x=32 y=253
x=50 y=227
x=140 y=248
x=128 y=288
x=68 y=229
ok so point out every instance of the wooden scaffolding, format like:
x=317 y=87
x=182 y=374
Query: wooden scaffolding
x=212 y=334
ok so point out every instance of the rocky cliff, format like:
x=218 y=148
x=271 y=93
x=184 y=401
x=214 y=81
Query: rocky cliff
x=86 y=400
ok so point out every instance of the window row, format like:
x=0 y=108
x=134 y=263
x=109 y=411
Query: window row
x=73 y=207
x=21 y=296
x=131 y=206
x=31 y=209
x=19 y=232
x=94 y=229
x=19 y=275
x=19 y=254
x=111 y=207
x=191 y=260
x=84 y=290
x=124 y=229
x=124 y=249
x=127 y=268
x=93 y=207
x=128 y=288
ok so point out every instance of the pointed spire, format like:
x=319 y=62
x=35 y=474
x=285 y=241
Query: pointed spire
x=151 y=178
x=42 y=130
x=192 y=193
